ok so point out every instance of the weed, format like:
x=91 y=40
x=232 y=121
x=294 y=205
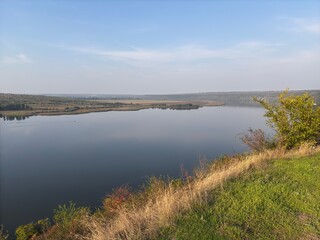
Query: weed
x=3 y=234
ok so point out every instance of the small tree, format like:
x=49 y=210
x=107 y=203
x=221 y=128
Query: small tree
x=295 y=118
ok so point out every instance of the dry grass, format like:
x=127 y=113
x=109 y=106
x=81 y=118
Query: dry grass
x=143 y=222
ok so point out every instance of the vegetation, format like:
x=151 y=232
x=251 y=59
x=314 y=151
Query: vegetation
x=169 y=201
x=3 y=234
x=67 y=224
x=230 y=98
x=67 y=219
x=257 y=140
x=15 y=106
x=296 y=119
x=277 y=201
x=31 y=230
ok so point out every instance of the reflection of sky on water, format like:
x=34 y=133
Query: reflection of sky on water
x=48 y=161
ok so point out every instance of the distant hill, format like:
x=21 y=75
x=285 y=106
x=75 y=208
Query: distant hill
x=229 y=98
x=233 y=98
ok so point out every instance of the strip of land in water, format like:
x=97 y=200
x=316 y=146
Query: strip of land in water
x=18 y=106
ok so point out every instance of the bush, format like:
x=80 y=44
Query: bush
x=68 y=221
x=295 y=118
x=25 y=232
x=43 y=225
x=257 y=140
x=28 y=231
x=115 y=200
x=65 y=215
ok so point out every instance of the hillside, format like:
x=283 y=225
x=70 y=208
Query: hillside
x=278 y=201
x=228 y=98
x=270 y=195
x=232 y=98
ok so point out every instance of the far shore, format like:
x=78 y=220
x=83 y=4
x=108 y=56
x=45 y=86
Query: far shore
x=18 y=106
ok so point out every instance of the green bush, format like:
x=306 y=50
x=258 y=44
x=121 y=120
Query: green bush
x=25 y=232
x=64 y=214
x=28 y=231
x=67 y=219
x=295 y=118
x=43 y=225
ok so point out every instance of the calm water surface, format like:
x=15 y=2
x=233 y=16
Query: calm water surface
x=47 y=161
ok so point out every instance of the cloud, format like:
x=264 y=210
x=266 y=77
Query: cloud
x=304 y=25
x=186 y=53
x=17 y=59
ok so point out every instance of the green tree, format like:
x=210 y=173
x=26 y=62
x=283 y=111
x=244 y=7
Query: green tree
x=295 y=118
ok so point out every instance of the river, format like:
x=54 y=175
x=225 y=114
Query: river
x=50 y=160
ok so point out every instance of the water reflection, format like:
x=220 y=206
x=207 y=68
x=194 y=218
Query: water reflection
x=12 y=118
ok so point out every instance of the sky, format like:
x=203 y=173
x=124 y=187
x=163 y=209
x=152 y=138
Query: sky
x=158 y=47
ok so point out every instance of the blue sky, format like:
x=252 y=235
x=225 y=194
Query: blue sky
x=144 y=47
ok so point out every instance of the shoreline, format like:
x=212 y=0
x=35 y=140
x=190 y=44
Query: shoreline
x=91 y=106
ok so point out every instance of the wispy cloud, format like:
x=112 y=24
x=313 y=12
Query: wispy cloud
x=250 y=49
x=17 y=59
x=304 y=25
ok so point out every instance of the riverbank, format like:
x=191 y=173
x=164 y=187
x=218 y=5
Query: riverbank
x=171 y=206
x=17 y=106
x=231 y=198
x=278 y=200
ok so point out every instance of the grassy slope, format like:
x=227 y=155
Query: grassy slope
x=280 y=201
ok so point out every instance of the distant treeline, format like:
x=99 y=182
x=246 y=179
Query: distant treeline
x=230 y=98
x=15 y=107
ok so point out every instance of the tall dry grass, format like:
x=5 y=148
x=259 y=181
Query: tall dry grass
x=143 y=222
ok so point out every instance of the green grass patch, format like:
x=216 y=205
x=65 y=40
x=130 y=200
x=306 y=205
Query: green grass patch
x=277 y=201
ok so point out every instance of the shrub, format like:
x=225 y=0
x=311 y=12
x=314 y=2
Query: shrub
x=295 y=118
x=43 y=225
x=25 y=232
x=28 y=231
x=257 y=140
x=64 y=215
x=115 y=200
x=68 y=222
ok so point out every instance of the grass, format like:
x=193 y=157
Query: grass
x=280 y=201
x=178 y=212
